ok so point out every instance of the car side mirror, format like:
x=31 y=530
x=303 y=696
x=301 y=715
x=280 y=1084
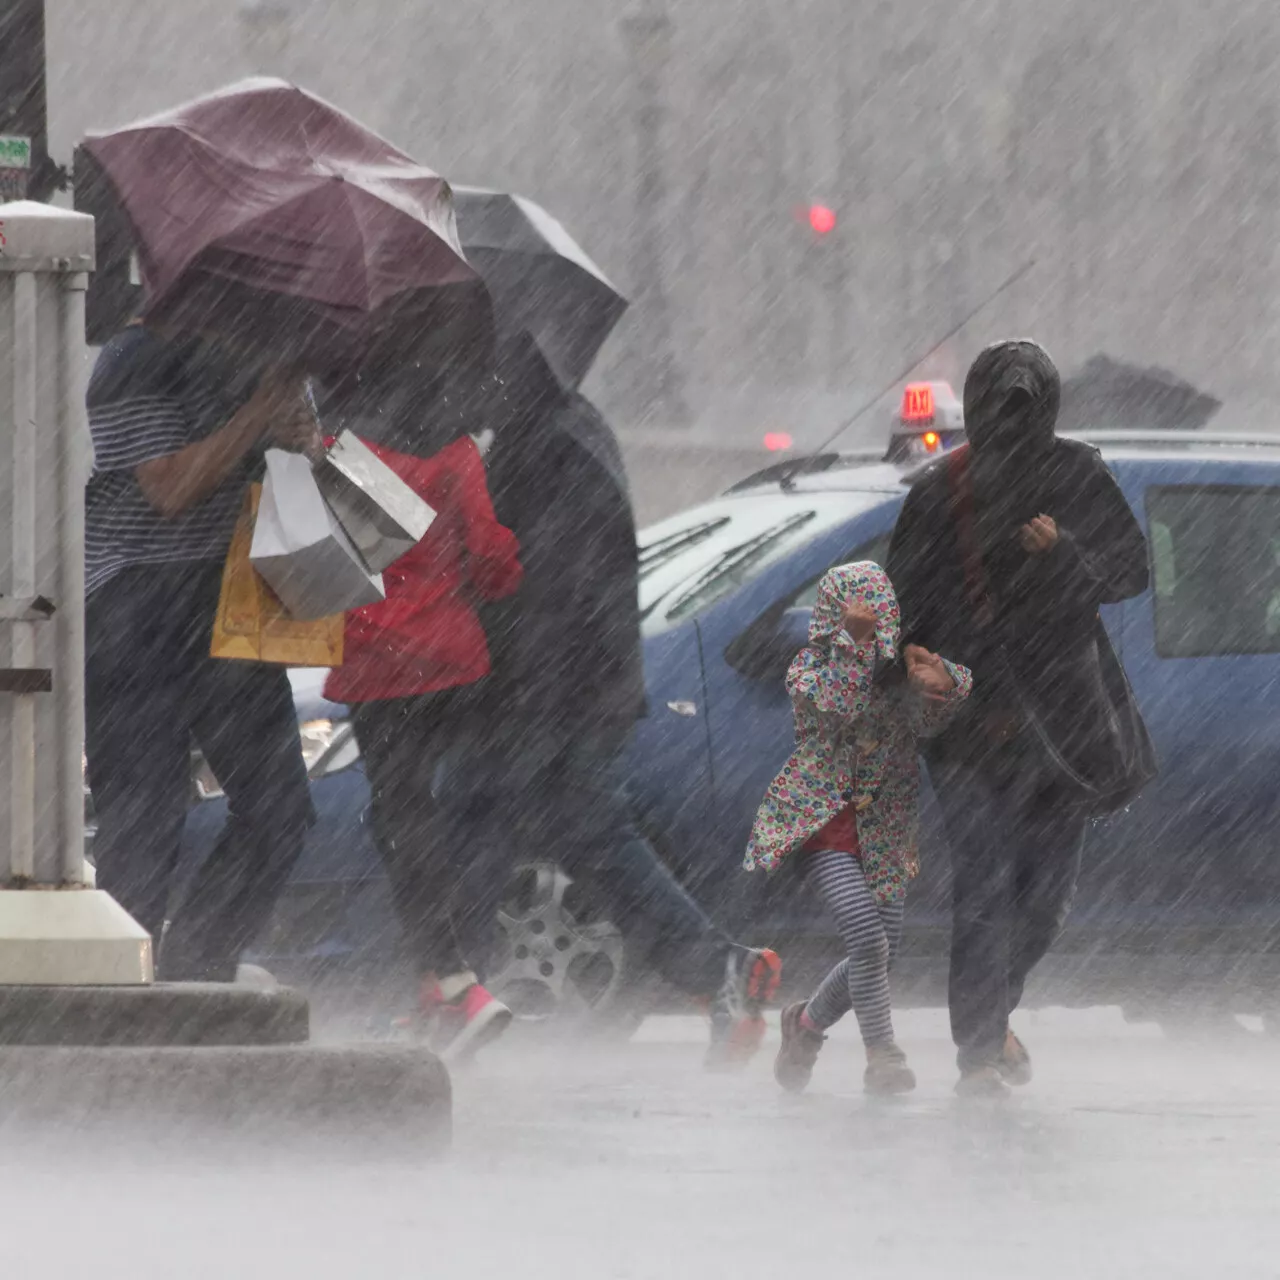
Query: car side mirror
x=766 y=648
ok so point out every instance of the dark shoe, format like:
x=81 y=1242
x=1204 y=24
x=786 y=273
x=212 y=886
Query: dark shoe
x=982 y=1082
x=887 y=1071
x=798 y=1054
x=1015 y=1062
x=750 y=981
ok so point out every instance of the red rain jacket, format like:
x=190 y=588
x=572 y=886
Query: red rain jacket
x=425 y=635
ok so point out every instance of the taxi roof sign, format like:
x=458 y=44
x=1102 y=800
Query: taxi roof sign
x=929 y=420
x=930 y=404
x=917 y=402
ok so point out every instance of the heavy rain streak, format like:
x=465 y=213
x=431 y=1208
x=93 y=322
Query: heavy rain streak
x=639 y=639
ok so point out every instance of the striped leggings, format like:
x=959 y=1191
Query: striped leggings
x=870 y=933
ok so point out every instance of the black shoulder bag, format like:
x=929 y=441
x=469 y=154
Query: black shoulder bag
x=1115 y=758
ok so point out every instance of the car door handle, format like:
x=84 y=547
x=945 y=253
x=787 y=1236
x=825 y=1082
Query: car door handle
x=683 y=708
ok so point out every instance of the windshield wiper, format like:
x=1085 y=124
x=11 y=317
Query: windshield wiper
x=658 y=553
x=736 y=558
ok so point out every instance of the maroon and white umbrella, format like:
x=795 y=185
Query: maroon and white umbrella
x=263 y=211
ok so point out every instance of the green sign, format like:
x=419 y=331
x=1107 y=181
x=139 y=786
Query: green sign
x=15 y=151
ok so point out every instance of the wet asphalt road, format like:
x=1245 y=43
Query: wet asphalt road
x=1129 y=1156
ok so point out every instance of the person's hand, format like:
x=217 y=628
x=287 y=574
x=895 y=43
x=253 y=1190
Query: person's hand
x=1039 y=536
x=859 y=621
x=289 y=417
x=297 y=435
x=927 y=673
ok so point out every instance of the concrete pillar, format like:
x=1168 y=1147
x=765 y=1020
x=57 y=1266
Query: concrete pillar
x=54 y=927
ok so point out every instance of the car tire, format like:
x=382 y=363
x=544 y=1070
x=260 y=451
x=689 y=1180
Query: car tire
x=560 y=960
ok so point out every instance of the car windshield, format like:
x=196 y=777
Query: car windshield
x=692 y=560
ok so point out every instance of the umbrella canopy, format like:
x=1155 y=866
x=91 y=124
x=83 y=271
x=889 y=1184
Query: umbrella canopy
x=539 y=277
x=1111 y=393
x=264 y=207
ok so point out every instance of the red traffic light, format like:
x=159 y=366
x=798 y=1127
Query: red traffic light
x=822 y=219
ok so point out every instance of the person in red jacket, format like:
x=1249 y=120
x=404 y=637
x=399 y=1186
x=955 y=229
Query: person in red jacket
x=410 y=672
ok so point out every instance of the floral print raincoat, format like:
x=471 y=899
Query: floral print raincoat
x=855 y=738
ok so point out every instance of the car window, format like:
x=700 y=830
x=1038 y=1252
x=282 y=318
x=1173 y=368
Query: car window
x=877 y=549
x=1215 y=558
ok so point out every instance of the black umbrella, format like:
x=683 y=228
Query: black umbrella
x=1110 y=393
x=539 y=277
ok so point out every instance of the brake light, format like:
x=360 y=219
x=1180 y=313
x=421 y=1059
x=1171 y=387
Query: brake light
x=931 y=441
x=917 y=402
x=777 y=441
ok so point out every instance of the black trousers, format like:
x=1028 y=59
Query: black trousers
x=459 y=802
x=571 y=805
x=151 y=688
x=1015 y=859
x=435 y=824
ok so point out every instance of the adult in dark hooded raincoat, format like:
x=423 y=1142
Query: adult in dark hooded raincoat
x=1055 y=540
x=567 y=685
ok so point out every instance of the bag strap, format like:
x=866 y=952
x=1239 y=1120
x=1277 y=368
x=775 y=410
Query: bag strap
x=975 y=573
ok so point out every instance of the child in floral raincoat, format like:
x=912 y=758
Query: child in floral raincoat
x=846 y=803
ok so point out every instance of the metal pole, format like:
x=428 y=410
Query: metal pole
x=22 y=795
x=648 y=32
x=70 y=660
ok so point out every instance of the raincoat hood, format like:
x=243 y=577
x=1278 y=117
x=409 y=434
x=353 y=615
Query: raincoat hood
x=863 y=582
x=1011 y=397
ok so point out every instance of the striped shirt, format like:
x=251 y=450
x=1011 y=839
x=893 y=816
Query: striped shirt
x=149 y=398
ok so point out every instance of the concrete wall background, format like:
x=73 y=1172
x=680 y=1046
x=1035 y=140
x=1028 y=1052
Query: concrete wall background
x=1130 y=149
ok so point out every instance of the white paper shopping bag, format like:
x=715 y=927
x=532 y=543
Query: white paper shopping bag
x=300 y=549
x=382 y=515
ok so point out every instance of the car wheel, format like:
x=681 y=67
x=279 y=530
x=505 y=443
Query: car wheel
x=560 y=959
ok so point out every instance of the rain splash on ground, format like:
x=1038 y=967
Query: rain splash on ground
x=1130 y=1156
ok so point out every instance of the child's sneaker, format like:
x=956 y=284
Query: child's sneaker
x=1015 y=1061
x=461 y=1016
x=751 y=980
x=887 y=1071
x=798 y=1054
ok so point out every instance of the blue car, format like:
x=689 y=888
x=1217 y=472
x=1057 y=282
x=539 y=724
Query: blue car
x=1179 y=893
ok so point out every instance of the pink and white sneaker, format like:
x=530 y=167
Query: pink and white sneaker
x=461 y=1016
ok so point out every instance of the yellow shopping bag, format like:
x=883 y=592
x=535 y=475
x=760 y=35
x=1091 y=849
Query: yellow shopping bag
x=252 y=624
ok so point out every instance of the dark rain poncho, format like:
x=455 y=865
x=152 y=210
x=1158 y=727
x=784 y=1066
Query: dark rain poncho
x=1041 y=653
x=566 y=648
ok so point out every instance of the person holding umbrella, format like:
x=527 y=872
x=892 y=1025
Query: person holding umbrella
x=412 y=671
x=265 y=216
x=568 y=678
x=177 y=427
x=568 y=686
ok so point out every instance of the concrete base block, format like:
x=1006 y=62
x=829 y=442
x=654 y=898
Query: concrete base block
x=165 y=1014
x=393 y=1098
x=52 y=936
